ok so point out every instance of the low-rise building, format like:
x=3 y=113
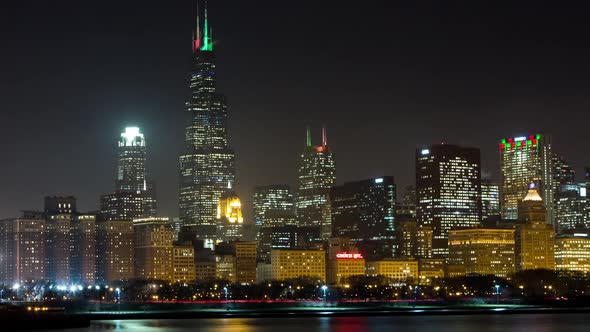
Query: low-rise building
x=401 y=270
x=290 y=264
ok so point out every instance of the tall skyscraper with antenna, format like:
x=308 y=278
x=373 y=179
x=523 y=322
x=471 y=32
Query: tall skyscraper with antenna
x=317 y=174
x=207 y=165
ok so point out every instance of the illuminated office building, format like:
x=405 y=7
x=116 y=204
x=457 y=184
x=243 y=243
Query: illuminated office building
x=183 y=262
x=22 y=249
x=274 y=209
x=525 y=160
x=400 y=270
x=207 y=164
x=571 y=207
x=406 y=210
x=535 y=238
x=448 y=189
x=490 y=200
x=364 y=210
x=483 y=251
x=414 y=240
x=344 y=265
x=572 y=252
x=291 y=264
x=274 y=205
x=431 y=270
x=317 y=174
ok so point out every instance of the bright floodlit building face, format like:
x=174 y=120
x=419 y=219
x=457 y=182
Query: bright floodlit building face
x=207 y=165
x=448 y=187
x=525 y=160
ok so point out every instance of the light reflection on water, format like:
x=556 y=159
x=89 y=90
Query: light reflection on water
x=451 y=323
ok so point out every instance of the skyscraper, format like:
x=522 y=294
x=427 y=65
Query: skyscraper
x=207 y=165
x=317 y=174
x=490 y=200
x=571 y=207
x=525 y=160
x=448 y=189
x=274 y=205
x=535 y=238
x=364 y=210
x=131 y=174
x=133 y=198
x=274 y=212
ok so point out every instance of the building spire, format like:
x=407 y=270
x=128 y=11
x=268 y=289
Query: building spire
x=308 y=137
x=197 y=35
x=324 y=136
x=207 y=39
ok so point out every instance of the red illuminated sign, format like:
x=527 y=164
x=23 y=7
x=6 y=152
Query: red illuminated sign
x=344 y=255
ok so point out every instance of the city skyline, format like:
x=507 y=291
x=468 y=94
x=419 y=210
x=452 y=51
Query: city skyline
x=360 y=156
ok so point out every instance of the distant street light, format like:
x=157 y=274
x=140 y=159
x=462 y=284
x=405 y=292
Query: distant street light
x=497 y=294
x=324 y=288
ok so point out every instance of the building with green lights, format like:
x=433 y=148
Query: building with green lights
x=207 y=164
x=317 y=174
x=525 y=160
x=448 y=189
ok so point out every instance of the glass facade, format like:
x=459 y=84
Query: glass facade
x=364 y=210
x=490 y=200
x=448 y=188
x=207 y=165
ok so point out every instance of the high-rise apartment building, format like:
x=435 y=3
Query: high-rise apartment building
x=153 y=252
x=22 y=249
x=364 y=210
x=207 y=165
x=114 y=250
x=448 y=188
x=83 y=255
x=525 y=160
x=317 y=174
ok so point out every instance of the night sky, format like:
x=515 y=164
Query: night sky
x=385 y=77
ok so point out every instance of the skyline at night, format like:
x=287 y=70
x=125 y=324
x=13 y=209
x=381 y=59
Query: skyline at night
x=384 y=81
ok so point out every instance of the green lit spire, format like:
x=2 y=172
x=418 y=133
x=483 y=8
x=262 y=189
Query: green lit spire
x=207 y=38
x=308 y=136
